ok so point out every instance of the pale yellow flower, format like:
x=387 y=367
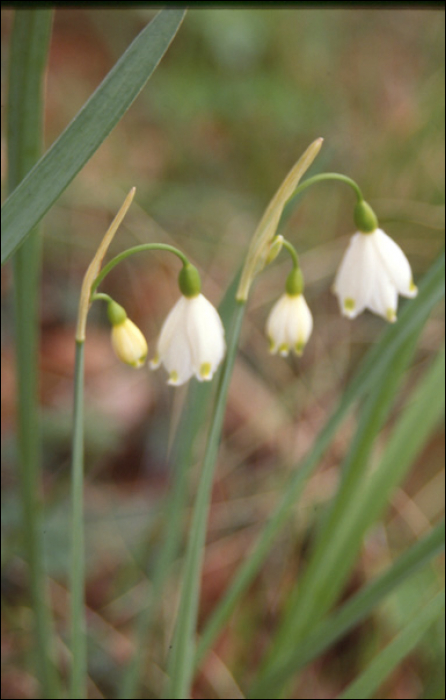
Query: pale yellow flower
x=129 y=343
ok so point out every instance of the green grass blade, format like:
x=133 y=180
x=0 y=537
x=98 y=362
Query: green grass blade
x=301 y=608
x=334 y=557
x=355 y=610
x=29 y=52
x=388 y=659
x=52 y=174
x=412 y=317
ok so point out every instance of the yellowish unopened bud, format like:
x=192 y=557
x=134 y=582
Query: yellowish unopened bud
x=129 y=343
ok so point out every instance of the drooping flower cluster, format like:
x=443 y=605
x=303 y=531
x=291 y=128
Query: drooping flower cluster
x=373 y=271
x=191 y=342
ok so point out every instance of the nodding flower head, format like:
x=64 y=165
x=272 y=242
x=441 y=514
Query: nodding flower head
x=191 y=341
x=192 y=337
x=289 y=324
x=374 y=270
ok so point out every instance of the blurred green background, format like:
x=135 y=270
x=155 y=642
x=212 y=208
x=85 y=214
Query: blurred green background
x=238 y=97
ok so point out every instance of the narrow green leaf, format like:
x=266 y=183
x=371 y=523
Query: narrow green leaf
x=78 y=679
x=29 y=53
x=352 y=612
x=331 y=563
x=303 y=607
x=83 y=136
x=388 y=659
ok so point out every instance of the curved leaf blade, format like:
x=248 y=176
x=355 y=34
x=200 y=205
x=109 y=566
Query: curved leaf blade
x=89 y=128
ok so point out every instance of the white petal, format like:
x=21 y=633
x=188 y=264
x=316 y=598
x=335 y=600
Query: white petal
x=177 y=359
x=303 y=323
x=172 y=349
x=170 y=326
x=384 y=298
x=356 y=275
x=395 y=263
x=277 y=322
x=205 y=335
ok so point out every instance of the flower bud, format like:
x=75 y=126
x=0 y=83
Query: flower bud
x=128 y=342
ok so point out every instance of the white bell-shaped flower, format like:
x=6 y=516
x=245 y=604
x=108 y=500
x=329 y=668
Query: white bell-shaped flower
x=373 y=272
x=289 y=324
x=191 y=341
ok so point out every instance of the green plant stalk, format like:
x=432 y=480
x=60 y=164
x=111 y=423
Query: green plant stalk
x=431 y=291
x=322 y=177
x=29 y=52
x=181 y=662
x=99 y=115
x=78 y=680
x=131 y=251
x=292 y=252
x=354 y=611
x=401 y=645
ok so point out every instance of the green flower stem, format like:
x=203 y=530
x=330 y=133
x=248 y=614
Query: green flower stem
x=78 y=681
x=131 y=251
x=181 y=662
x=329 y=176
x=293 y=252
x=29 y=52
x=101 y=297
